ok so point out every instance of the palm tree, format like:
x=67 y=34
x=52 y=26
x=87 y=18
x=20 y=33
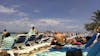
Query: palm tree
x=96 y=21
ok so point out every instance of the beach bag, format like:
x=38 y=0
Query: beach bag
x=74 y=52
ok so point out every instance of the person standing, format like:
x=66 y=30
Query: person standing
x=32 y=31
x=4 y=33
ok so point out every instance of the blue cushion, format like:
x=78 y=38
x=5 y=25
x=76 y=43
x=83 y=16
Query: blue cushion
x=21 y=39
x=8 y=43
x=31 y=38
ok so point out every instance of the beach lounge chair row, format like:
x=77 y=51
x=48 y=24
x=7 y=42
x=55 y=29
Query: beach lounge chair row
x=21 y=41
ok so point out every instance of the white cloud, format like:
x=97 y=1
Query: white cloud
x=75 y=27
x=36 y=11
x=16 y=25
x=21 y=14
x=72 y=27
x=49 y=21
x=25 y=23
x=7 y=10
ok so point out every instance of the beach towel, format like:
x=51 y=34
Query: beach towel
x=54 y=52
x=77 y=43
x=8 y=43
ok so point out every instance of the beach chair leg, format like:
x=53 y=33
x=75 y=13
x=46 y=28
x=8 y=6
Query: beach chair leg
x=30 y=44
x=18 y=48
x=24 y=46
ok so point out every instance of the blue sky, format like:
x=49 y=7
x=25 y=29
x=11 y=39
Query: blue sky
x=56 y=15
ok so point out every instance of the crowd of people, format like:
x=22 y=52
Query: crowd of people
x=57 y=39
